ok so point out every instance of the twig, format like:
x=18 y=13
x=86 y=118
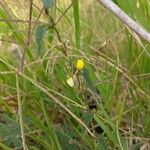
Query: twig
x=57 y=33
x=119 y=13
x=20 y=114
x=63 y=14
x=30 y=18
x=29 y=36
x=41 y=11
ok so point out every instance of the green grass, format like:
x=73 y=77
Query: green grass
x=39 y=110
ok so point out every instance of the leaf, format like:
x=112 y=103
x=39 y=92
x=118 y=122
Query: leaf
x=50 y=35
x=10 y=131
x=136 y=146
x=50 y=130
x=102 y=145
x=4 y=147
x=87 y=117
x=65 y=134
x=39 y=38
x=88 y=80
x=77 y=22
x=110 y=134
x=48 y=3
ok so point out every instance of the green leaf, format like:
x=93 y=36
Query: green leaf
x=48 y=3
x=10 y=131
x=110 y=134
x=88 y=81
x=50 y=35
x=39 y=38
x=4 y=147
x=65 y=134
x=77 y=22
x=50 y=128
x=102 y=145
x=136 y=146
x=87 y=117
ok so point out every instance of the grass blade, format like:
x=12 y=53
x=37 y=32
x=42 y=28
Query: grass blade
x=77 y=22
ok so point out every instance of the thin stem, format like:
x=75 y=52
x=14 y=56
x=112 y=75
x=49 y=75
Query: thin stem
x=20 y=114
x=29 y=36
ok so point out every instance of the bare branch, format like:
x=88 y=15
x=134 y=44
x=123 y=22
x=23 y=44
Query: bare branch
x=119 y=13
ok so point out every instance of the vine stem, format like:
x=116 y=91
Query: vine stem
x=20 y=114
x=29 y=36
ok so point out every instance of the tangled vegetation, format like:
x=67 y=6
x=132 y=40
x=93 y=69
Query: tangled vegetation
x=73 y=77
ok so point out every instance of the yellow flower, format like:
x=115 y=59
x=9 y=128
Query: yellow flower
x=70 y=82
x=80 y=64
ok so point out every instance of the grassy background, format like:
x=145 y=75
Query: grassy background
x=53 y=114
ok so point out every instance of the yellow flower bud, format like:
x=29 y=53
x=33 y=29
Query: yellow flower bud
x=80 y=64
x=70 y=82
